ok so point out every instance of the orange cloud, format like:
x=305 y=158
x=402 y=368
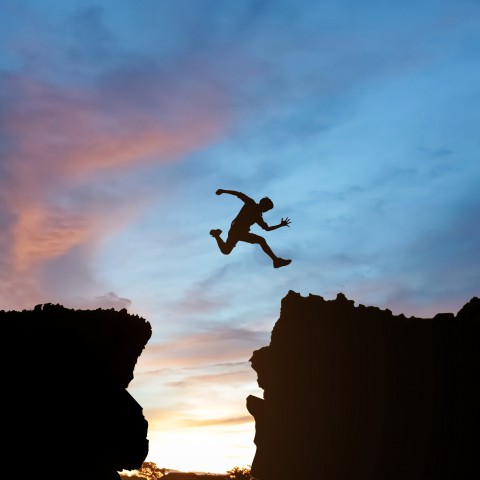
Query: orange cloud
x=63 y=133
x=221 y=345
x=40 y=234
x=60 y=140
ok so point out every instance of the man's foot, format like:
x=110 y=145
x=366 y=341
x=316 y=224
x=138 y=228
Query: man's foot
x=281 y=262
x=216 y=232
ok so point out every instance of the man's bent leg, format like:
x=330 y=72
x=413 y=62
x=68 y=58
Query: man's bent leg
x=252 y=238
x=225 y=247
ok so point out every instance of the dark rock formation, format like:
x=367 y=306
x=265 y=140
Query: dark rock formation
x=66 y=410
x=353 y=393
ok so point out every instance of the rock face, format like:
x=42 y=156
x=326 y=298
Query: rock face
x=354 y=392
x=66 y=410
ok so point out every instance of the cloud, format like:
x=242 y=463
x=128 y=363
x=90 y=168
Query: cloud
x=196 y=302
x=221 y=344
x=165 y=419
x=107 y=301
x=202 y=298
x=64 y=153
x=214 y=422
x=229 y=377
x=91 y=41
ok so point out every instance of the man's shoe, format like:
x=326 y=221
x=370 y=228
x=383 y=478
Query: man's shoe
x=216 y=232
x=281 y=262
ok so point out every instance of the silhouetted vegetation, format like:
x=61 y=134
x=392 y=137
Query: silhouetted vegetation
x=239 y=473
x=150 y=471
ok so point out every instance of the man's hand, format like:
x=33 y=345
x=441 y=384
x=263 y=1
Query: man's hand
x=285 y=222
x=219 y=191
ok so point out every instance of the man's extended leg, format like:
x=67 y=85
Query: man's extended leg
x=225 y=247
x=252 y=238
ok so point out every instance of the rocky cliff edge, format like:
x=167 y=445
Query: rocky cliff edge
x=66 y=410
x=355 y=392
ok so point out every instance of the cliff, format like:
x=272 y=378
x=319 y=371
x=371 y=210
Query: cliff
x=66 y=410
x=355 y=392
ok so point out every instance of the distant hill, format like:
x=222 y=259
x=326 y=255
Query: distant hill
x=65 y=405
x=357 y=393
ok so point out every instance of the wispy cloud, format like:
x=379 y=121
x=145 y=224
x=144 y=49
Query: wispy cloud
x=214 y=422
x=220 y=344
x=229 y=377
x=107 y=301
x=59 y=144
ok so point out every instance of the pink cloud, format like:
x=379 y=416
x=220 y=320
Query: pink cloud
x=220 y=345
x=60 y=140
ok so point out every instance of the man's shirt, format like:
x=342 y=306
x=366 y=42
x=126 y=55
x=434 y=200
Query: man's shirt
x=249 y=214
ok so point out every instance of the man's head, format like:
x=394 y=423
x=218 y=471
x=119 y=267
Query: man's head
x=265 y=204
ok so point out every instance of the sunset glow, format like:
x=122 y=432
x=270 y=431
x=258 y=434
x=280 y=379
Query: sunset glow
x=119 y=120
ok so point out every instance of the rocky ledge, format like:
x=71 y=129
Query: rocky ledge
x=67 y=413
x=355 y=392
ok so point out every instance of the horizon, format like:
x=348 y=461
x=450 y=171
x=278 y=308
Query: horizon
x=120 y=120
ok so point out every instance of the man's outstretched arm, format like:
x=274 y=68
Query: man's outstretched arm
x=283 y=223
x=240 y=195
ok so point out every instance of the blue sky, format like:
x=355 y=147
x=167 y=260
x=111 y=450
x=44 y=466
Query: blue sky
x=120 y=119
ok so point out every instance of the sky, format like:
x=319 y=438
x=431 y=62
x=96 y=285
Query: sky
x=119 y=119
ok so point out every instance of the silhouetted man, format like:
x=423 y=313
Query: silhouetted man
x=239 y=231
